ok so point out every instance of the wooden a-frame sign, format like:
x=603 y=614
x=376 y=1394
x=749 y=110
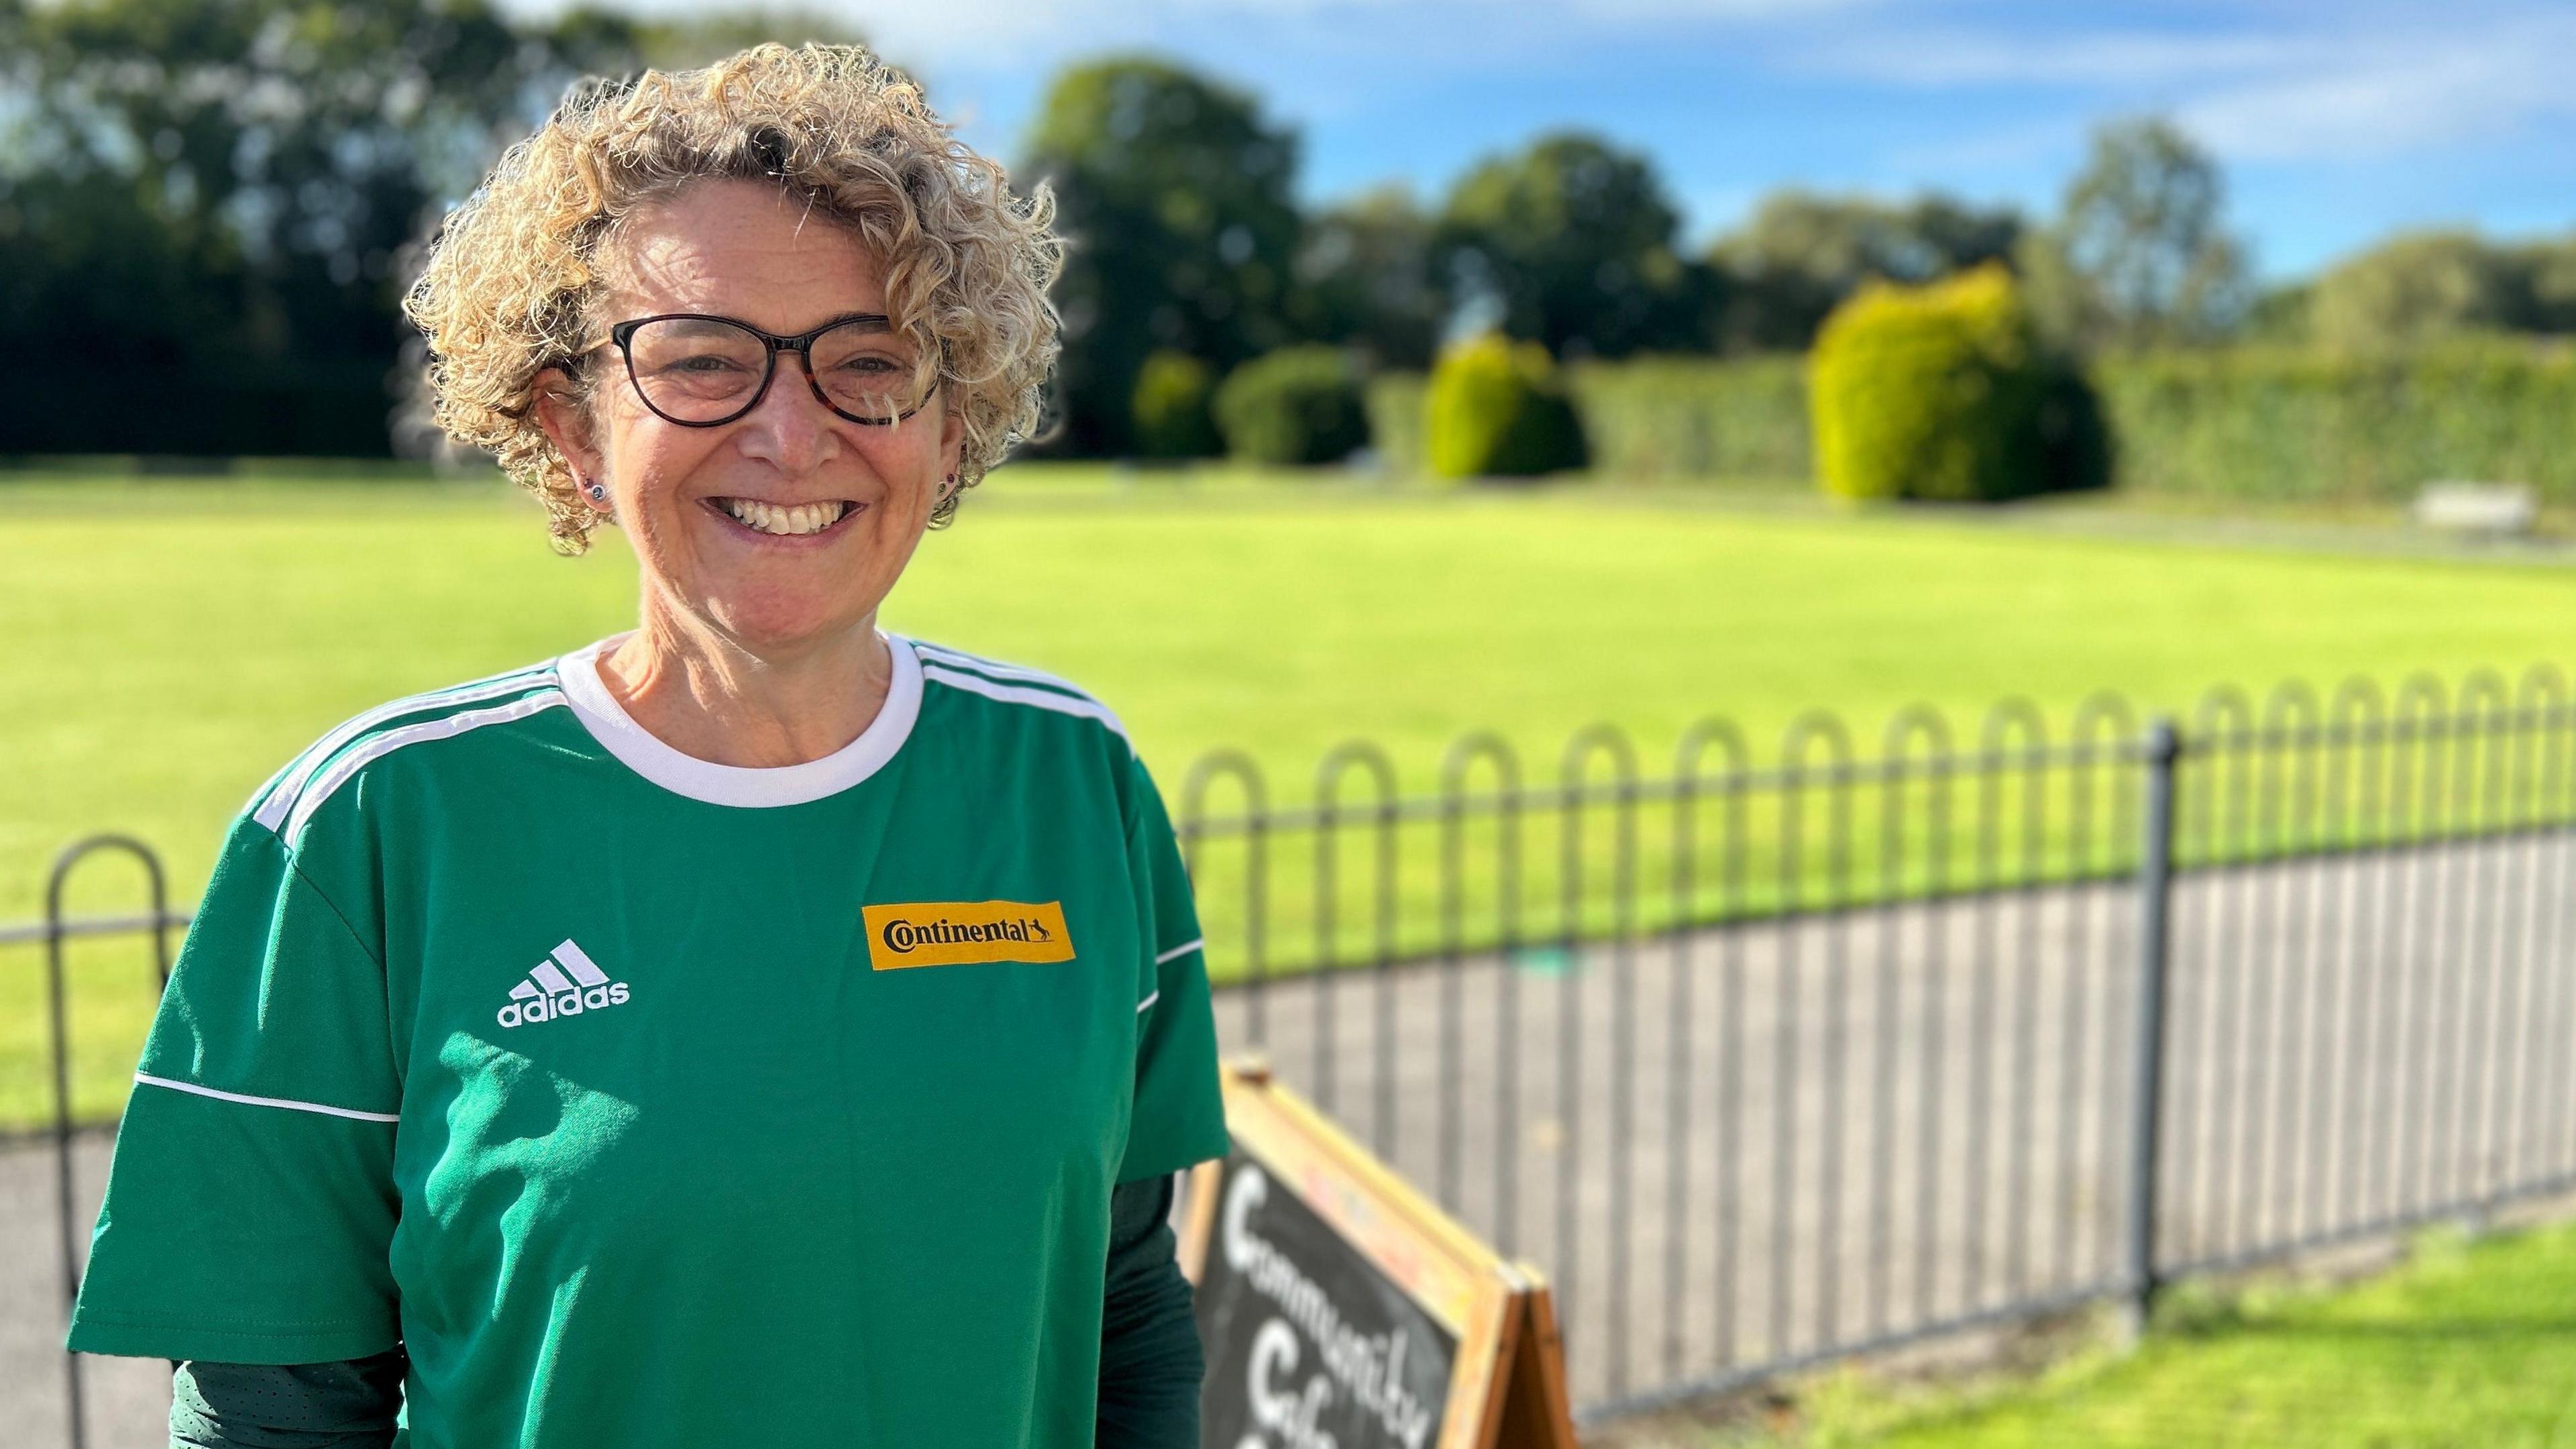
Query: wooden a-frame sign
x=1348 y=1308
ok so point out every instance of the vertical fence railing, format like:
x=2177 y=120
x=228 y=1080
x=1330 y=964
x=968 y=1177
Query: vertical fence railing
x=58 y=929
x=1969 y=1032
x=1774 y=1064
x=2147 y=1054
x=2381 y=890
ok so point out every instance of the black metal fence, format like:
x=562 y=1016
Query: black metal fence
x=1774 y=1062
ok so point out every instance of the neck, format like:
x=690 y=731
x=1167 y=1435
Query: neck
x=710 y=696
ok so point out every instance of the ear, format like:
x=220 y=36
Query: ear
x=558 y=410
x=952 y=435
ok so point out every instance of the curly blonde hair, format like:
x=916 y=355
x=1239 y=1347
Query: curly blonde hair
x=513 y=280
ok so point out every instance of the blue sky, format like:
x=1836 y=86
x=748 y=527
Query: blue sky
x=2337 y=122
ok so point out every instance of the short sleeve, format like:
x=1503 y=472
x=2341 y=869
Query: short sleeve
x=251 y=1204
x=1179 y=1115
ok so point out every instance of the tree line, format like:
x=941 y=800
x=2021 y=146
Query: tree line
x=207 y=208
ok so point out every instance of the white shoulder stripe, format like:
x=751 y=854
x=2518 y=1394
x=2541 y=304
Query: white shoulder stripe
x=1150 y=999
x=1183 y=949
x=1041 y=698
x=1004 y=672
x=288 y=1103
x=279 y=796
x=448 y=727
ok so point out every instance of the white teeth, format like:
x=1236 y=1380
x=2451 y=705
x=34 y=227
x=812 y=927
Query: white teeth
x=787 y=522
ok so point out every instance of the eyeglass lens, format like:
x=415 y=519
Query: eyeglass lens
x=704 y=370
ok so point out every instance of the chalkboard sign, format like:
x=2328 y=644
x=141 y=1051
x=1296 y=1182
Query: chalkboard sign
x=1339 y=1307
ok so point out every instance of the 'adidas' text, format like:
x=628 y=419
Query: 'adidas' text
x=574 y=986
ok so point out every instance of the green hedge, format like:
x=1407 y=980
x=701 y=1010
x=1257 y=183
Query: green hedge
x=1665 y=417
x=1499 y=409
x=2284 y=423
x=1395 y=403
x=1298 y=405
x=2248 y=422
x=1171 y=408
x=1696 y=418
x=1942 y=392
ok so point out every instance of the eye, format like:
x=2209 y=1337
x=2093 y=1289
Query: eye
x=701 y=362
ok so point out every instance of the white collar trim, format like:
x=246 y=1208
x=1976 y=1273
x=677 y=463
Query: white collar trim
x=618 y=733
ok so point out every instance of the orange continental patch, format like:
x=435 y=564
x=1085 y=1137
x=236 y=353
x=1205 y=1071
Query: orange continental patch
x=961 y=933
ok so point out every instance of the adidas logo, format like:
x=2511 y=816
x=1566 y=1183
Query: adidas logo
x=566 y=983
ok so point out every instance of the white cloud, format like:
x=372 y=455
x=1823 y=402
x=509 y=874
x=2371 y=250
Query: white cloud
x=999 y=33
x=2429 y=91
x=2287 y=81
x=2005 y=148
x=1938 y=61
x=2338 y=91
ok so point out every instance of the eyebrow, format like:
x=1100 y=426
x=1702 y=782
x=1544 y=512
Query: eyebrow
x=870 y=321
x=865 y=321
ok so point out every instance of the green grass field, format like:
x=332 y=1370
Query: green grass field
x=2469 y=1343
x=165 y=645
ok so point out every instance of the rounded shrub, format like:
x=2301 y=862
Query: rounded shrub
x=1943 y=392
x=1170 y=407
x=1497 y=409
x=1294 y=406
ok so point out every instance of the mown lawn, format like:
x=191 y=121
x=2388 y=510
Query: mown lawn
x=2470 y=1345
x=165 y=645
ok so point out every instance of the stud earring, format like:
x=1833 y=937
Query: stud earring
x=598 y=494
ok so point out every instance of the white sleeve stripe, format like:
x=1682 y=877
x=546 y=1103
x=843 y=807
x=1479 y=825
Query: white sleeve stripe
x=1148 y=1001
x=991 y=670
x=289 y=1104
x=1183 y=949
x=279 y=797
x=1042 y=699
x=391 y=740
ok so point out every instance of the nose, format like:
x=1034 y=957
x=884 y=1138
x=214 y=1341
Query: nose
x=790 y=430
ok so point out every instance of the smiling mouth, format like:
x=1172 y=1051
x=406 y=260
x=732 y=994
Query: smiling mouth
x=802 y=520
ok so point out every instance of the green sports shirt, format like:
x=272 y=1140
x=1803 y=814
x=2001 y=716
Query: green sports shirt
x=607 y=1081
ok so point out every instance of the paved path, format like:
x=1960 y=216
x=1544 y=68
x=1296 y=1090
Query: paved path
x=128 y=1400
x=1764 y=1142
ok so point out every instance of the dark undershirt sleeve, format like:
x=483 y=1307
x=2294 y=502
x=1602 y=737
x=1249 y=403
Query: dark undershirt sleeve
x=1150 y=1364
x=352 y=1404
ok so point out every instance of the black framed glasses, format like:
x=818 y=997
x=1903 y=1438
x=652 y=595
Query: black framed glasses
x=702 y=371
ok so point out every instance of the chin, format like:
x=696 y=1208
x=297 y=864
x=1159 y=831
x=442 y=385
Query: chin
x=763 y=624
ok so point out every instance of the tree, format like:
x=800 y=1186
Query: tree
x=1364 y=279
x=2417 y=286
x=1569 y=243
x=2421 y=285
x=1178 y=198
x=1802 y=254
x=209 y=204
x=2137 y=256
x=257 y=167
x=2280 y=314
x=2553 y=286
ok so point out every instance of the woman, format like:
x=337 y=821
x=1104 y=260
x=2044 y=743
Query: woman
x=751 y=1029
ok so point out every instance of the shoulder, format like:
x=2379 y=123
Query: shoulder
x=288 y=801
x=1034 y=696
